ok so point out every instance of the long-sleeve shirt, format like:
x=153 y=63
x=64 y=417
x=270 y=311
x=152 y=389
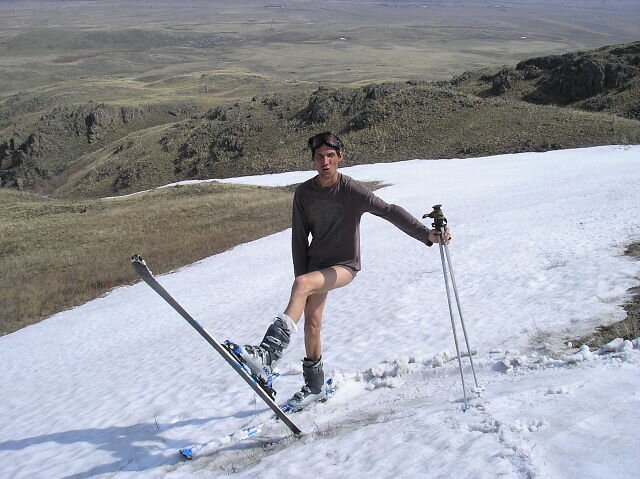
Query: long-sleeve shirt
x=332 y=216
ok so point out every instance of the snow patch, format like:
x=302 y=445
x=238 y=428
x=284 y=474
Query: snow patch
x=141 y=383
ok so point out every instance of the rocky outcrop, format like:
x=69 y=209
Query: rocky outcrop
x=98 y=121
x=574 y=77
x=586 y=77
x=65 y=133
x=362 y=107
x=325 y=102
x=501 y=82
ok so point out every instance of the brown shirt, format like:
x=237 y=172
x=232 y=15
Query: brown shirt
x=332 y=216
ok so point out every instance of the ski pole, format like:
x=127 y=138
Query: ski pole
x=440 y=224
x=464 y=329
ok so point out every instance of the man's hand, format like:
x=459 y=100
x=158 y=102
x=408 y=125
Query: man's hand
x=435 y=236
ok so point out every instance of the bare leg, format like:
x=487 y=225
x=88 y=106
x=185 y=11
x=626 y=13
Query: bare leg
x=316 y=282
x=308 y=296
x=313 y=325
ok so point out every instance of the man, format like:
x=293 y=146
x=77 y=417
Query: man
x=329 y=206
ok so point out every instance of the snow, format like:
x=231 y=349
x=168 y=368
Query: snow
x=114 y=387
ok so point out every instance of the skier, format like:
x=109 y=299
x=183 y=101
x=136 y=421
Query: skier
x=329 y=206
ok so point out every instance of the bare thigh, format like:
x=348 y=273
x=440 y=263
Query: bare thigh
x=324 y=280
x=313 y=287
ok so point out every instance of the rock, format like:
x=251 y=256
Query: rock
x=456 y=80
x=626 y=50
x=574 y=77
x=371 y=115
x=376 y=91
x=320 y=108
x=617 y=75
x=98 y=121
x=532 y=72
x=325 y=102
x=129 y=113
x=502 y=82
x=502 y=366
x=577 y=80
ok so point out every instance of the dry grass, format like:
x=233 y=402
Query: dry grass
x=628 y=328
x=58 y=254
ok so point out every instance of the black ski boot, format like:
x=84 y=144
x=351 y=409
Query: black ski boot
x=262 y=359
x=313 y=389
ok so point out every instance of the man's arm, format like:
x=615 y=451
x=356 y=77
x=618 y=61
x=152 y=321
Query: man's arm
x=397 y=216
x=299 y=236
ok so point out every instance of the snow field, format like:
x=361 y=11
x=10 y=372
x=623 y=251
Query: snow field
x=384 y=409
x=115 y=387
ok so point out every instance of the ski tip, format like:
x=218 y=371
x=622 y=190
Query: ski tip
x=251 y=431
x=187 y=453
x=136 y=258
x=139 y=265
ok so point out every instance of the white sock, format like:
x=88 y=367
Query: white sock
x=289 y=322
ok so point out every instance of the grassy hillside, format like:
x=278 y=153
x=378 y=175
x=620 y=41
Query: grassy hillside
x=216 y=125
x=87 y=86
x=628 y=328
x=46 y=133
x=604 y=80
x=387 y=122
x=64 y=253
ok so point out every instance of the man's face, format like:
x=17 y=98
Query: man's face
x=326 y=161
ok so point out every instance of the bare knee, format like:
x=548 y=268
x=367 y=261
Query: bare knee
x=302 y=286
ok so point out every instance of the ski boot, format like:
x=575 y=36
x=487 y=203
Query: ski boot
x=314 y=389
x=261 y=360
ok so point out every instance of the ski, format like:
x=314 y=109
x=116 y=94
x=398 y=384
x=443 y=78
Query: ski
x=190 y=452
x=329 y=392
x=250 y=432
x=264 y=391
x=266 y=384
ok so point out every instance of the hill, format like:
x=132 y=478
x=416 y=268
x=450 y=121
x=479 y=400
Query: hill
x=139 y=136
x=601 y=80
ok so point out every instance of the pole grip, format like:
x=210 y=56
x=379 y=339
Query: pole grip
x=438 y=217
